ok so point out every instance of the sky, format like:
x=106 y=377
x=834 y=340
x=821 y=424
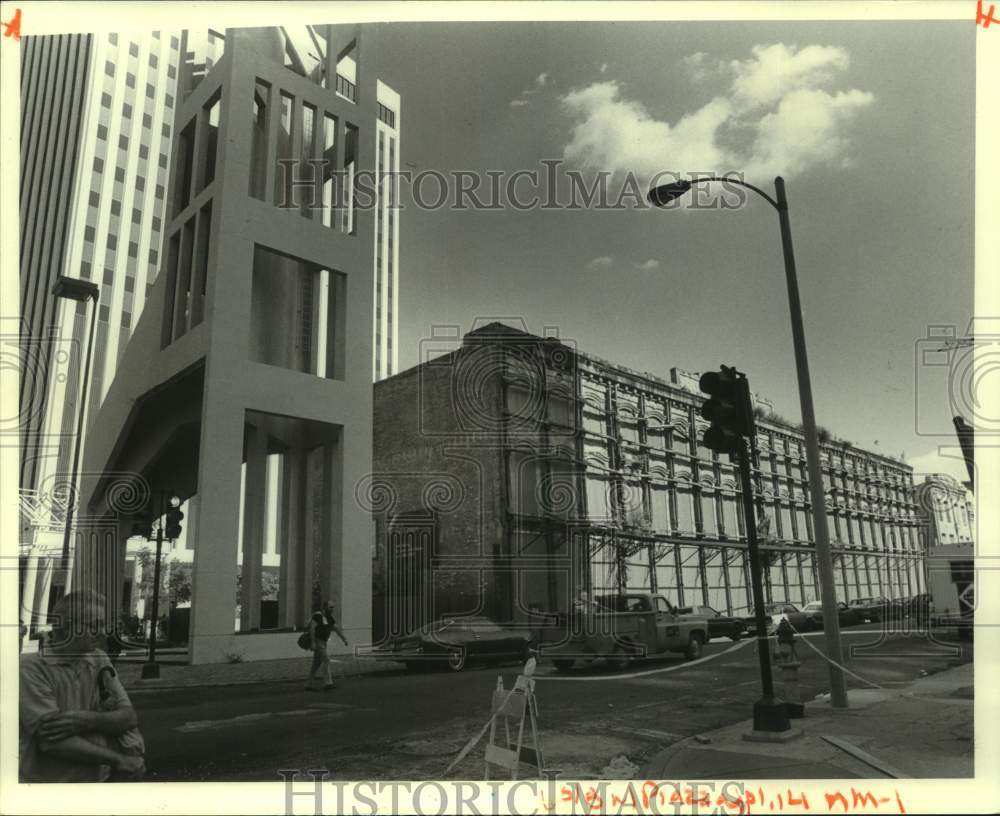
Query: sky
x=871 y=125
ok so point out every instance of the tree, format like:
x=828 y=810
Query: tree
x=179 y=583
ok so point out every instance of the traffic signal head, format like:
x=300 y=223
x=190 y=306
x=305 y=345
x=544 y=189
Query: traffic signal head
x=728 y=408
x=174 y=516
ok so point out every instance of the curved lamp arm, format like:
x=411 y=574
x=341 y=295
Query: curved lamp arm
x=749 y=186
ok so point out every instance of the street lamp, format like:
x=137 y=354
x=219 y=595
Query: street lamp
x=661 y=196
x=151 y=669
x=79 y=291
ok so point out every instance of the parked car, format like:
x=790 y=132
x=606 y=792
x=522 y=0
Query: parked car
x=845 y=614
x=456 y=642
x=782 y=610
x=621 y=628
x=872 y=609
x=719 y=625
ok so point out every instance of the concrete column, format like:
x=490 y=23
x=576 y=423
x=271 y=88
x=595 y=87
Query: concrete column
x=214 y=574
x=352 y=559
x=309 y=540
x=290 y=536
x=331 y=540
x=254 y=517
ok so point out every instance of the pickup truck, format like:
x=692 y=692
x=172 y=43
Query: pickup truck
x=621 y=628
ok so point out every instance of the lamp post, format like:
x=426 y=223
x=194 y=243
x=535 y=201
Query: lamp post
x=79 y=291
x=662 y=195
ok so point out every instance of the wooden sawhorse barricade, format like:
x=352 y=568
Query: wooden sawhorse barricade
x=517 y=704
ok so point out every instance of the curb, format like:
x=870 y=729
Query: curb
x=157 y=685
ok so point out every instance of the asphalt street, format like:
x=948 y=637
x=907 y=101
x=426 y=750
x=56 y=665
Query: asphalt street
x=397 y=725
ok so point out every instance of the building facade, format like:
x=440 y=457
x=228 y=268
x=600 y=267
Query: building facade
x=947 y=511
x=515 y=471
x=95 y=150
x=252 y=363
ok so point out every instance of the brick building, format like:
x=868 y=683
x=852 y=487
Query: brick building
x=514 y=471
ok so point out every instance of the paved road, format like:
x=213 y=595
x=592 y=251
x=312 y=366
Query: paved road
x=395 y=725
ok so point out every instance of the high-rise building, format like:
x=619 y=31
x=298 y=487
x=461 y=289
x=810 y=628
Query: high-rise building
x=386 y=324
x=251 y=366
x=96 y=131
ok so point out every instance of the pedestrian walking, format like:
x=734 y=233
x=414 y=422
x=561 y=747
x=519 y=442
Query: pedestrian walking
x=321 y=625
x=73 y=719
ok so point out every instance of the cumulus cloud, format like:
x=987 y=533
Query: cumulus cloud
x=652 y=265
x=776 y=115
x=604 y=262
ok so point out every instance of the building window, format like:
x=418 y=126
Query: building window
x=120 y=174
x=133 y=249
x=123 y=142
x=102 y=133
x=106 y=100
x=116 y=207
x=109 y=68
x=130 y=80
x=136 y=215
x=153 y=257
x=85 y=270
x=133 y=49
x=140 y=183
x=113 y=39
x=175 y=43
x=112 y=241
x=153 y=60
x=147 y=120
x=163 y=161
x=150 y=90
x=127 y=110
x=88 y=234
x=129 y=283
x=169 y=101
x=98 y=164
x=109 y=277
x=95 y=198
x=159 y=191
x=156 y=223
x=126 y=320
x=166 y=131
x=171 y=71
x=143 y=152
x=105 y=312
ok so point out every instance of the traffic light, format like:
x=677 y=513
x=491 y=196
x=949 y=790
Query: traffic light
x=728 y=408
x=174 y=517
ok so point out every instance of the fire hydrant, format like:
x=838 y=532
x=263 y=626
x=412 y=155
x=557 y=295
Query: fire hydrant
x=788 y=663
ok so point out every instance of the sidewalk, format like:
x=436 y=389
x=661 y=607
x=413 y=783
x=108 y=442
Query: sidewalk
x=177 y=674
x=923 y=730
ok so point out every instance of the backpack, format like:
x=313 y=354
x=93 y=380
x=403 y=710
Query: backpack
x=305 y=641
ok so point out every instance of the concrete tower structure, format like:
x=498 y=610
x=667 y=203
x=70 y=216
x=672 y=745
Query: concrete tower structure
x=256 y=345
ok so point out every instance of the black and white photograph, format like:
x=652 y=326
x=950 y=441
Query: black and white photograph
x=499 y=407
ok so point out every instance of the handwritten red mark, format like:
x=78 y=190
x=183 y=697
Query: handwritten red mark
x=983 y=20
x=13 y=28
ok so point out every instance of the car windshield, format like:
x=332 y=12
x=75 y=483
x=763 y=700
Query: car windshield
x=777 y=609
x=684 y=610
x=814 y=605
